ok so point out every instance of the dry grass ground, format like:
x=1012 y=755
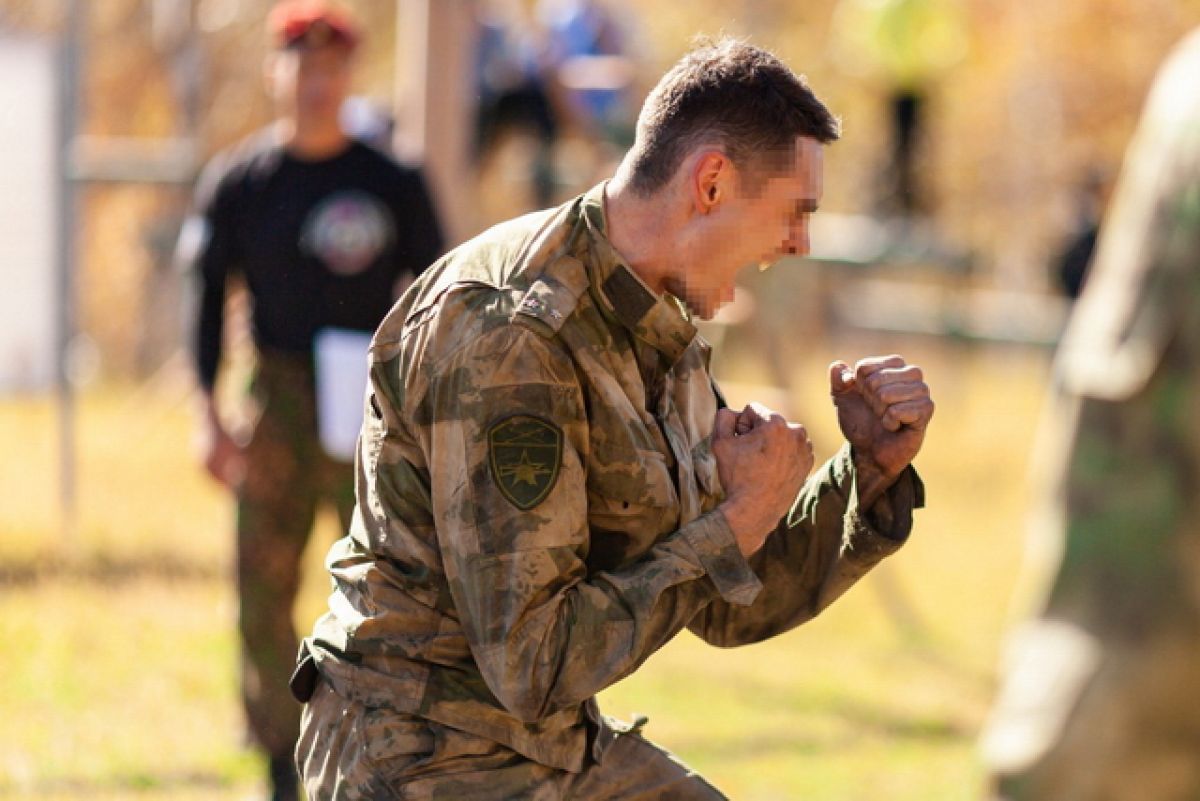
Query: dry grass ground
x=118 y=656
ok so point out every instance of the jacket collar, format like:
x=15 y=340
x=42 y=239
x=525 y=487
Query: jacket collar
x=658 y=320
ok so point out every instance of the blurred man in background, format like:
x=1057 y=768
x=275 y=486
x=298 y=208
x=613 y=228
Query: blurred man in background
x=1101 y=692
x=325 y=231
x=1075 y=257
x=908 y=46
x=512 y=94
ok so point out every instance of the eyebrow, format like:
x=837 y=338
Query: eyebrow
x=807 y=206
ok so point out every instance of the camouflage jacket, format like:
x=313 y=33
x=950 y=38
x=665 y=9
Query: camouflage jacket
x=537 y=492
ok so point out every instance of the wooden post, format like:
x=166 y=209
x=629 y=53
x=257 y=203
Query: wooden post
x=435 y=42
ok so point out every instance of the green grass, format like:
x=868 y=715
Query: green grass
x=118 y=658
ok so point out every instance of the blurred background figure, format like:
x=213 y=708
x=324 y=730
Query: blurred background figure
x=554 y=82
x=1072 y=262
x=1101 y=692
x=325 y=231
x=513 y=99
x=590 y=55
x=907 y=45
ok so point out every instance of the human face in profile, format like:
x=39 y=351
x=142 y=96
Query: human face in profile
x=761 y=219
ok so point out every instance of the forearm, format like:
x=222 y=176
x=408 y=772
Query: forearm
x=208 y=327
x=543 y=646
x=826 y=543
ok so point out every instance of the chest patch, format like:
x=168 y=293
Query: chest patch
x=347 y=231
x=525 y=454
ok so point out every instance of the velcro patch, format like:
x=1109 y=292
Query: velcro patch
x=525 y=454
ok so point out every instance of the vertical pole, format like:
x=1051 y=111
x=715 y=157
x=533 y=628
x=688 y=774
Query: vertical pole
x=412 y=59
x=434 y=45
x=70 y=42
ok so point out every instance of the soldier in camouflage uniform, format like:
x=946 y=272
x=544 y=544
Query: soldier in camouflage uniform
x=1101 y=698
x=549 y=488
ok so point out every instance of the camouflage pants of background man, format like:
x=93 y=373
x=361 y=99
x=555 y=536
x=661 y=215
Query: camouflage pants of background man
x=287 y=473
x=350 y=752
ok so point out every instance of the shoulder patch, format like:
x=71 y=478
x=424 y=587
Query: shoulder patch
x=525 y=455
x=552 y=298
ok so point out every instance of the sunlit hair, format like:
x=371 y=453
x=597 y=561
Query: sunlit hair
x=734 y=95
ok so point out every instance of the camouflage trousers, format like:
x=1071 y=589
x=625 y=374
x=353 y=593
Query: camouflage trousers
x=287 y=474
x=350 y=752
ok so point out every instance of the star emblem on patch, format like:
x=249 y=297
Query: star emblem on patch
x=525 y=455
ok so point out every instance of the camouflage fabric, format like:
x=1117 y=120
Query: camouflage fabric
x=355 y=752
x=537 y=501
x=1101 y=698
x=287 y=474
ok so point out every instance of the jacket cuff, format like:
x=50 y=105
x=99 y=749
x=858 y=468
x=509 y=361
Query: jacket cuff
x=880 y=530
x=711 y=540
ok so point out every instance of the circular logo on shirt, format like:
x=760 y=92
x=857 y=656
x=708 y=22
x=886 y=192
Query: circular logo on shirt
x=347 y=231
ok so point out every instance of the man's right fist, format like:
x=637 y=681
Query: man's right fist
x=762 y=461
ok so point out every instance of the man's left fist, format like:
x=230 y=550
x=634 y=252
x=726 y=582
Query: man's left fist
x=883 y=407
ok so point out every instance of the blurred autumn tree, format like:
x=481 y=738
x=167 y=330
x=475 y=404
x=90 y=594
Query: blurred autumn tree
x=1044 y=90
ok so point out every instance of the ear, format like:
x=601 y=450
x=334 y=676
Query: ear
x=710 y=180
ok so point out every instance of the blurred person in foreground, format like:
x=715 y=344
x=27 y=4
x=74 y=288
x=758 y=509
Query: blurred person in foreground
x=325 y=231
x=550 y=487
x=1101 y=692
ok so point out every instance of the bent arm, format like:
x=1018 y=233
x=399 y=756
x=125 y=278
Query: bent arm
x=824 y=545
x=544 y=633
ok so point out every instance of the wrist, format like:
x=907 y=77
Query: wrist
x=871 y=481
x=746 y=523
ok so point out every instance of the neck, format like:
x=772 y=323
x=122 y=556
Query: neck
x=314 y=140
x=640 y=230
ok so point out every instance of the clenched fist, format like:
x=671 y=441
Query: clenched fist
x=883 y=406
x=762 y=461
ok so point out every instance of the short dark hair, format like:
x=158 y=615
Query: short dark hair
x=730 y=92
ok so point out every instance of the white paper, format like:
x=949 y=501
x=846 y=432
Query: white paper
x=341 y=365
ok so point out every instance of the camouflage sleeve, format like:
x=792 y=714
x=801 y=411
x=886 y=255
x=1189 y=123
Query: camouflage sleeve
x=507 y=448
x=824 y=545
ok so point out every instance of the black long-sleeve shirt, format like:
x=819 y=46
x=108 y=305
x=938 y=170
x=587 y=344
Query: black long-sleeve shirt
x=320 y=243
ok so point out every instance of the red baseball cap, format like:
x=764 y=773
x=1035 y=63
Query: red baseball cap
x=311 y=23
